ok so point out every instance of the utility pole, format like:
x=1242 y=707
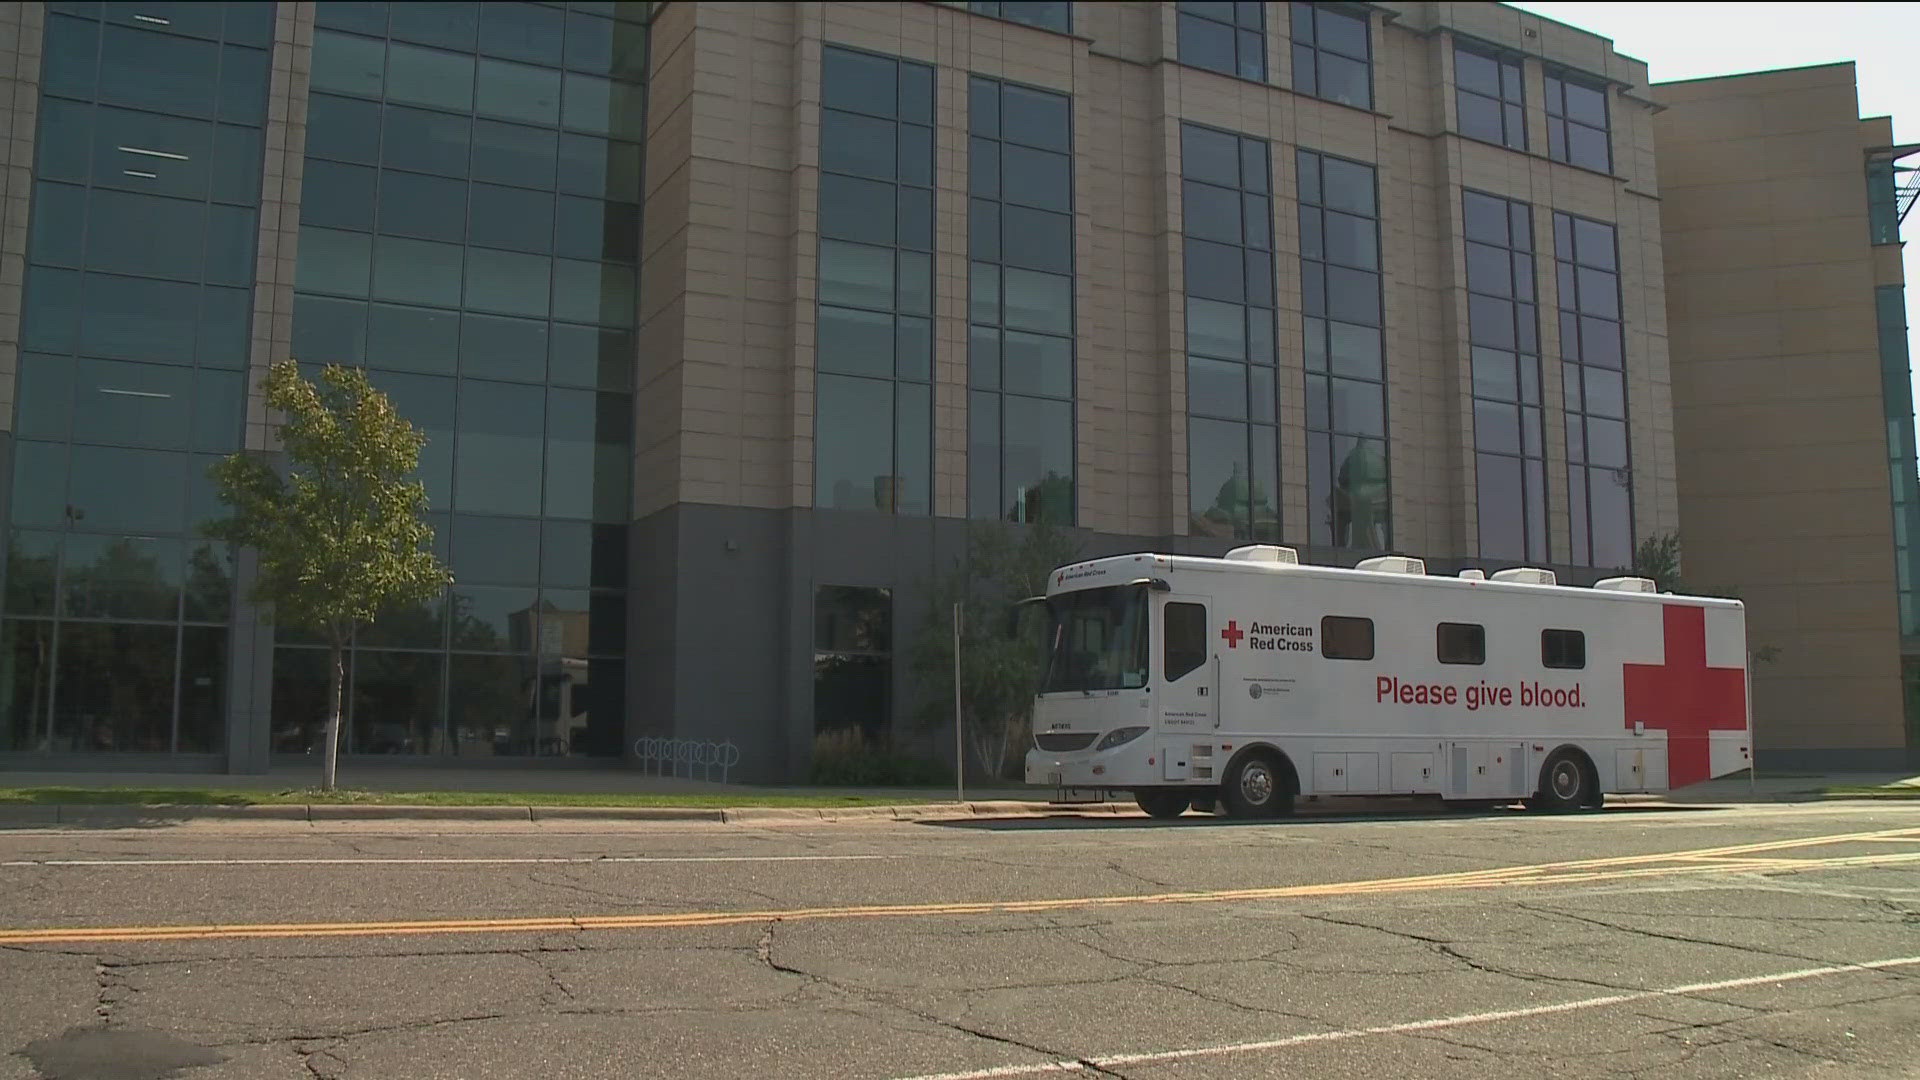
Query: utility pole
x=959 y=751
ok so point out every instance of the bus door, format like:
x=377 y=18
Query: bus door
x=1189 y=672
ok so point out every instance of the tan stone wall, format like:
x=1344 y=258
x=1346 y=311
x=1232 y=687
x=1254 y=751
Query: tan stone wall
x=1783 y=452
x=281 y=174
x=732 y=162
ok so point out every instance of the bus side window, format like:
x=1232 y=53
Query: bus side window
x=1344 y=637
x=1563 y=649
x=1184 y=634
x=1460 y=643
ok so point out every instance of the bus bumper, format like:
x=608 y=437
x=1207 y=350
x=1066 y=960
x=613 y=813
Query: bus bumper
x=1132 y=765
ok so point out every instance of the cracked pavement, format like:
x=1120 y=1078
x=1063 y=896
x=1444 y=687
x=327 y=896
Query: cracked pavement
x=1580 y=973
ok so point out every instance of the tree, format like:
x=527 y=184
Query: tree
x=1000 y=652
x=1658 y=557
x=339 y=528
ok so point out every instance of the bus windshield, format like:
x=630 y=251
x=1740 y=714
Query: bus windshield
x=1097 y=641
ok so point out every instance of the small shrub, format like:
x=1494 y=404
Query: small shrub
x=845 y=757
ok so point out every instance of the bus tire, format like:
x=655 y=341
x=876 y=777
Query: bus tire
x=1258 y=785
x=1163 y=803
x=1567 y=782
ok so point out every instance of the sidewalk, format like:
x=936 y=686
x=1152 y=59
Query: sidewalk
x=881 y=803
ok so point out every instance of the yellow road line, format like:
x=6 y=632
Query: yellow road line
x=1704 y=861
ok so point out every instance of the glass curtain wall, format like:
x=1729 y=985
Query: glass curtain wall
x=1347 y=476
x=470 y=234
x=1503 y=328
x=1021 y=335
x=132 y=377
x=873 y=387
x=1233 y=453
x=1593 y=375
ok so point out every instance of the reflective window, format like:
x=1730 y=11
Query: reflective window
x=1343 y=637
x=1231 y=396
x=1225 y=37
x=1046 y=14
x=1346 y=412
x=427 y=207
x=1577 y=122
x=1510 y=457
x=1021 y=243
x=1183 y=639
x=136 y=314
x=852 y=659
x=1592 y=343
x=1490 y=95
x=1563 y=649
x=1333 y=53
x=875 y=284
x=1460 y=643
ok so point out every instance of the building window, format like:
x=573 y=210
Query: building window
x=1904 y=463
x=469 y=233
x=1347 y=466
x=131 y=379
x=1046 y=16
x=1230 y=38
x=1490 y=95
x=1593 y=376
x=1333 y=54
x=1233 y=454
x=1460 y=643
x=1577 y=129
x=852 y=659
x=1563 y=649
x=873 y=391
x=1343 y=637
x=1020 y=352
x=1503 y=332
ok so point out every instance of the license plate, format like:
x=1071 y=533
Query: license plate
x=1054 y=778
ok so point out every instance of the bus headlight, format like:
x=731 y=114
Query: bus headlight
x=1120 y=737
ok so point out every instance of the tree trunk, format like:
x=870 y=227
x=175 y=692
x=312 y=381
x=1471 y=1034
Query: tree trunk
x=337 y=661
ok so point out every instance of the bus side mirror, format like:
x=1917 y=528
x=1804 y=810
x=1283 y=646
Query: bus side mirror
x=1016 y=610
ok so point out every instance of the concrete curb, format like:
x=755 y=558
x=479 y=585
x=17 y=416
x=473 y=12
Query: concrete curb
x=120 y=814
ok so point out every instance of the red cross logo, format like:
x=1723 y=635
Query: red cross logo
x=1233 y=634
x=1684 y=697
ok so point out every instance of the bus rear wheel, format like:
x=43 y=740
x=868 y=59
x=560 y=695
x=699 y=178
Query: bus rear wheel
x=1567 y=783
x=1163 y=803
x=1257 y=787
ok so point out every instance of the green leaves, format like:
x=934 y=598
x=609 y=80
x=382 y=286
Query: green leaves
x=338 y=526
x=1000 y=657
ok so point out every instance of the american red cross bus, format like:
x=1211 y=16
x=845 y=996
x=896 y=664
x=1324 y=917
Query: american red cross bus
x=1250 y=680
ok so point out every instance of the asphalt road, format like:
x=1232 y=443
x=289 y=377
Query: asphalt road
x=1766 y=940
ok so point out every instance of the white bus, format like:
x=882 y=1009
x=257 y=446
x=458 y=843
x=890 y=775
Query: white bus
x=1253 y=679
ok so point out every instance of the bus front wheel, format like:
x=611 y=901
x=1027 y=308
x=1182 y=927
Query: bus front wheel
x=1163 y=803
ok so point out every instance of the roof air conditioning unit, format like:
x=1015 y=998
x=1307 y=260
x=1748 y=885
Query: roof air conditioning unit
x=1474 y=575
x=1393 y=564
x=1526 y=575
x=1267 y=553
x=1626 y=584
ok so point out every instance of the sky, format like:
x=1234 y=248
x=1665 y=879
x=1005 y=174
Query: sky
x=1689 y=41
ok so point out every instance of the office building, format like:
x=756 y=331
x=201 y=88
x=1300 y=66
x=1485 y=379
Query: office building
x=726 y=321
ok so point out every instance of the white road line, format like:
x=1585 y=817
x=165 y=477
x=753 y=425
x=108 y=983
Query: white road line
x=474 y=861
x=1462 y=1020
